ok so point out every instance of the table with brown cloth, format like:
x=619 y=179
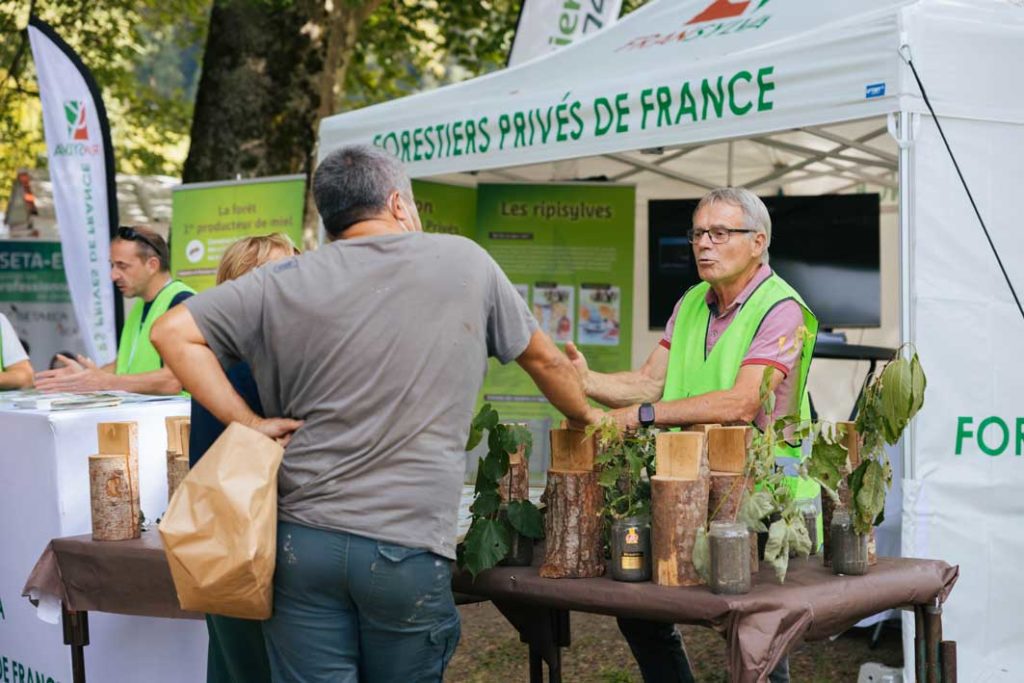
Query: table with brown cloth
x=132 y=577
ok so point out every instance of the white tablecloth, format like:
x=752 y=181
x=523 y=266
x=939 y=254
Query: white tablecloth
x=45 y=494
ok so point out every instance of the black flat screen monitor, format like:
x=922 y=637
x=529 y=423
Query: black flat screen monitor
x=825 y=246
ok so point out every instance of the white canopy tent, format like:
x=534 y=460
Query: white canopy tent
x=810 y=97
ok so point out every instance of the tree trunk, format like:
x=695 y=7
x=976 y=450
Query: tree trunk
x=259 y=93
x=679 y=507
x=516 y=484
x=572 y=526
x=114 y=514
x=122 y=439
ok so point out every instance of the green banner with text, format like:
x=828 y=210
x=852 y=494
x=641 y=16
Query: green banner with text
x=443 y=208
x=568 y=248
x=208 y=217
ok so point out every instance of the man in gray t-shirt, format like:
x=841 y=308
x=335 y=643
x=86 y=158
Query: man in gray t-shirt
x=368 y=354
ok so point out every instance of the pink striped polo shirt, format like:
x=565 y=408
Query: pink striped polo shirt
x=781 y=321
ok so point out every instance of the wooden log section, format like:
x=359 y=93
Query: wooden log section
x=727 y=448
x=184 y=435
x=174 y=432
x=572 y=450
x=515 y=485
x=114 y=516
x=122 y=439
x=679 y=455
x=679 y=507
x=177 y=470
x=572 y=525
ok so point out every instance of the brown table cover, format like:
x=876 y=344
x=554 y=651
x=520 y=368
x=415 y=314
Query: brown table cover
x=132 y=577
x=759 y=627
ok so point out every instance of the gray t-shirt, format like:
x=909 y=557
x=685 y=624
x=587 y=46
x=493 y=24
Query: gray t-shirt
x=380 y=344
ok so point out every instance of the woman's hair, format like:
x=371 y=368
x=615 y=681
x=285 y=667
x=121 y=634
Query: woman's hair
x=251 y=252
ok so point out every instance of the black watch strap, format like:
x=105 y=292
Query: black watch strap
x=646 y=414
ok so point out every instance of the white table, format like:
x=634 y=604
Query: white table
x=45 y=494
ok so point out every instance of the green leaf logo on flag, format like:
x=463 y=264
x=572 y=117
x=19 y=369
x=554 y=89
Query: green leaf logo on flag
x=74 y=112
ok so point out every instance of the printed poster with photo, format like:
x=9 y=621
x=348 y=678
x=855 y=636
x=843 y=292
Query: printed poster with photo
x=599 y=315
x=553 y=308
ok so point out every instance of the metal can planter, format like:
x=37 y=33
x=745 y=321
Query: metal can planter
x=631 y=549
x=849 y=549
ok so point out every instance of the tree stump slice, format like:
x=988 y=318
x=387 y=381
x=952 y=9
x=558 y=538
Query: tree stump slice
x=177 y=470
x=122 y=438
x=725 y=495
x=114 y=516
x=572 y=526
x=679 y=507
x=727 y=448
x=515 y=485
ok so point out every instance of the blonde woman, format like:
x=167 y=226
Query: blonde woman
x=236 y=652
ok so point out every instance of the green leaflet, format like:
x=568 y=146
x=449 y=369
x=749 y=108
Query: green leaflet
x=797 y=535
x=755 y=507
x=495 y=464
x=702 y=555
x=870 y=498
x=526 y=518
x=897 y=398
x=487 y=542
x=918 y=383
x=827 y=462
x=776 y=552
x=486 y=503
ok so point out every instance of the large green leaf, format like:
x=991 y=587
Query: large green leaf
x=870 y=498
x=486 y=503
x=754 y=508
x=797 y=535
x=487 y=542
x=827 y=462
x=897 y=398
x=609 y=476
x=487 y=418
x=776 y=551
x=526 y=518
x=702 y=555
x=495 y=464
x=918 y=384
x=475 y=437
x=521 y=438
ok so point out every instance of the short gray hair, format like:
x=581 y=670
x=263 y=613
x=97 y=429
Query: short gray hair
x=353 y=184
x=755 y=213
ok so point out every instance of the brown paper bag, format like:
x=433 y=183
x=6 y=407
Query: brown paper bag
x=220 y=528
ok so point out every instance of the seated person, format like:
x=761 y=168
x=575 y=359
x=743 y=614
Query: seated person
x=15 y=367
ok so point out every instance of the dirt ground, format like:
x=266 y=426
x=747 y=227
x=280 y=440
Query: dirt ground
x=490 y=652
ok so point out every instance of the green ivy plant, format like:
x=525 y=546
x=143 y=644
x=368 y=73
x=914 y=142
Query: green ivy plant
x=626 y=462
x=489 y=538
x=889 y=401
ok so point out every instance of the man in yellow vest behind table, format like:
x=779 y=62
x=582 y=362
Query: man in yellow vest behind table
x=140 y=268
x=709 y=366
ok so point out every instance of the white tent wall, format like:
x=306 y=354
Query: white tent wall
x=966 y=507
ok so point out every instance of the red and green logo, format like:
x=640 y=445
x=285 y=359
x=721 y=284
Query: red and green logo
x=725 y=9
x=74 y=112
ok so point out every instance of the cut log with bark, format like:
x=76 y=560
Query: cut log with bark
x=727 y=448
x=114 y=514
x=725 y=495
x=184 y=435
x=122 y=439
x=679 y=455
x=172 y=425
x=572 y=450
x=572 y=526
x=177 y=470
x=515 y=485
x=679 y=507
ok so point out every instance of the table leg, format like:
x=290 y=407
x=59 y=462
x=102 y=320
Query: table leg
x=919 y=649
x=545 y=630
x=947 y=653
x=76 y=635
x=933 y=636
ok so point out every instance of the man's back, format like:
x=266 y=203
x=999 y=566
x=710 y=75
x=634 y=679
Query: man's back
x=380 y=344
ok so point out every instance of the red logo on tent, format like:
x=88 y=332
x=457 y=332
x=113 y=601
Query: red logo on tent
x=721 y=9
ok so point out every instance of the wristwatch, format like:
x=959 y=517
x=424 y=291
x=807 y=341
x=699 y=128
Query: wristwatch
x=646 y=414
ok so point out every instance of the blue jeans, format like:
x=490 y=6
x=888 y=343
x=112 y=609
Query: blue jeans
x=349 y=608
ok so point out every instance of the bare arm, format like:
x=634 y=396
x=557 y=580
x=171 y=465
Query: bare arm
x=738 y=404
x=554 y=375
x=84 y=375
x=17 y=376
x=620 y=389
x=184 y=349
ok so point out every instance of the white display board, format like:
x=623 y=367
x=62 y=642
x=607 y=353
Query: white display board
x=45 y=494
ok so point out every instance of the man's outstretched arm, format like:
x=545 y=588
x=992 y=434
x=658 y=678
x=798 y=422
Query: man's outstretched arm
x=555 y=376
x=620 y=389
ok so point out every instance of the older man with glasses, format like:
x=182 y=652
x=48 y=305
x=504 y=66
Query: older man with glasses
x=708 y=367
x=140 y=269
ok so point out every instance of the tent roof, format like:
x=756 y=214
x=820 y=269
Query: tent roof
x=681 y=72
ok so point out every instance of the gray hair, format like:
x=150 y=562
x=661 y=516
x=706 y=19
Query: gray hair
x=755 y=213
x=353 y=184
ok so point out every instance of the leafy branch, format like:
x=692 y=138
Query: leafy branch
x=490 y=533
x=626 y=463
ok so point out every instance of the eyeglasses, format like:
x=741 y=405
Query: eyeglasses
x=126 y=232
x=717 y=235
